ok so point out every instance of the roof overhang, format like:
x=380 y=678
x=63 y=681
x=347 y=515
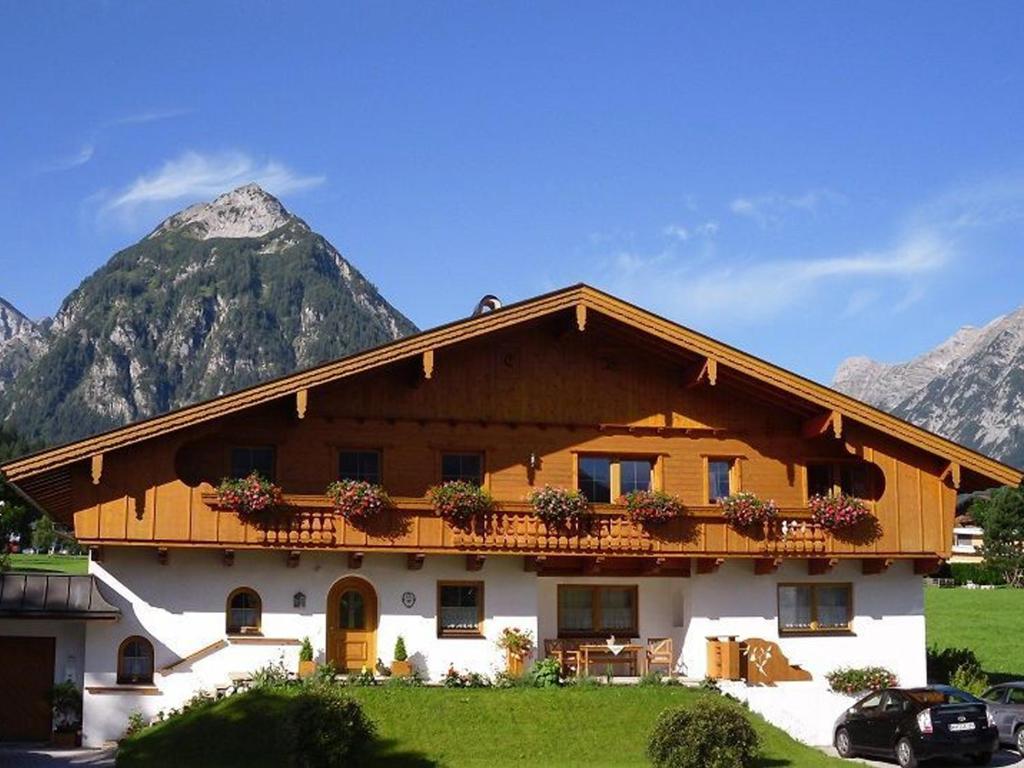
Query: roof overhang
x=53 y=596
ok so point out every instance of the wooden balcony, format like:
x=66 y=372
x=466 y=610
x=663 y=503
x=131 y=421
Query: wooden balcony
x=512 y=528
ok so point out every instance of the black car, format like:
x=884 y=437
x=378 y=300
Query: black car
x=914 y=724
x=1006 y=703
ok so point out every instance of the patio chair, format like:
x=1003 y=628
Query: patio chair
x=659 y=652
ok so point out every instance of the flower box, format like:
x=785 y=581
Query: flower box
x=837 y=511
x=458 y=501
x=558 y=507
x=253 y=498
x=652 y=507
x=745 y=510
x=357 y=500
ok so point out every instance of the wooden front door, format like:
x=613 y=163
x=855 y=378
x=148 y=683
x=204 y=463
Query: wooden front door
x=352 y=625
x=26 y=676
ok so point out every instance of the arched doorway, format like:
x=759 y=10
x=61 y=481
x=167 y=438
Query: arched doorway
x=352 y=624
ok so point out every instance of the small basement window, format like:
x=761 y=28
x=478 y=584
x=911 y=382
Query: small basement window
x=244 y=613
x=248 y=459
x=460 y=609
x=135 y=661
x=815 y=608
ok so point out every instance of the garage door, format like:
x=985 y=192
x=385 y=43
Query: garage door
x=26 y=676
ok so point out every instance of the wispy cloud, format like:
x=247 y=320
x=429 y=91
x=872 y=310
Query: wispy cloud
x=81 y=157
x=683 y=233
x=771 y=210
x=147 y=116
x=197 y=176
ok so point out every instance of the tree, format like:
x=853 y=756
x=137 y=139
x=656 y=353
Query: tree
x=14 y=515
x=44 y=534
x=1001 y=517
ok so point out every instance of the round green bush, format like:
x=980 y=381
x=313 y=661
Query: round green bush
x=711 y=733
x=328 y=729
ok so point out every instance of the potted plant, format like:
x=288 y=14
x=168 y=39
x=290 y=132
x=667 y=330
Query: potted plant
x=401 y=667
x=66 y=702
x=745 y=510
x=518 y=645
x=557 y=507
x=307 y=666
x=652 y=507
x=357 y=500
x=458 y=501
x=252 y=498
x=835 y=511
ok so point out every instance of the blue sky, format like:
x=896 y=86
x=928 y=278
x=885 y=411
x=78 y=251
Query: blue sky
x=806 y=181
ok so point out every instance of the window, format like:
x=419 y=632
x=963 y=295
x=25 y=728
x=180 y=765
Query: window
x=604 y=479
x=468 y=467
x=1015 y=696
x=460 y=608
x=589 y=611
x=352 y=610
x=721 y=479
x=246 y=460
x=359 y=465
x=244 y=613
x=135 y=661
x=815 y=607
x=851 y=478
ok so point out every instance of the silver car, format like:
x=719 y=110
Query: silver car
x=1006 y=703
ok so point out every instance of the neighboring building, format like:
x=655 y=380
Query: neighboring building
x=967 y=542
x=571 y=389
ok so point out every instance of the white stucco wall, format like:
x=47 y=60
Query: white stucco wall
x=180 y=607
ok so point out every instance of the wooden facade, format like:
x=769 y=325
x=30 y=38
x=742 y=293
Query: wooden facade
x=531 y=388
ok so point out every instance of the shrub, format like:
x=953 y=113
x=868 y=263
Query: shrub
x=404 y=681
x=252 y=497
x=712 y=733
x=458 y=501
x=969 y=677
x=455 y=679
x=650 y=680
x=853 y=680
x=518 y=642
x=328 y=729
x=975 y=573
x=400 y=653
x=271 y=676
x=835 y=511
x=943 y=663
x=558 y=507
x=361 y=679
x=358 y=500
x=306 y=651
x=136 y=724
x=546 y=673
x=326 y=674
x=743 y=510
x=66 y=702
x=652 y=507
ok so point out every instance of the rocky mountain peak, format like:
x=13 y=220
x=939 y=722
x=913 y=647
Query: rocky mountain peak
x=12 y=322
x=248 y=211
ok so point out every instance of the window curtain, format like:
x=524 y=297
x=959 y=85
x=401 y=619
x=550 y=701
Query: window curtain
x=617 y=609
x=795 y=609
x=576 y=611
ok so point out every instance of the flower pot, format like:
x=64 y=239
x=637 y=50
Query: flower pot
x=514 y=664
x=67 y=739
x=401 y=669
x=306 y=668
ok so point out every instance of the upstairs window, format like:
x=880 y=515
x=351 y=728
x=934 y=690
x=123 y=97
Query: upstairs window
x=467 y=467
x=849 y=477
x=460 y=611
x=245 y=612
x=359 y=465
x=722 y=479
x=248 y=459
x=815 y=608
x=606 y=479
x=135 y=661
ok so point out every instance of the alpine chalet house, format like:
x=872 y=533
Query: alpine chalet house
x=741 y=521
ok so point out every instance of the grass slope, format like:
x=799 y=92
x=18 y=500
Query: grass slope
x=424 y=727
x=71 y=564
x=990 y=622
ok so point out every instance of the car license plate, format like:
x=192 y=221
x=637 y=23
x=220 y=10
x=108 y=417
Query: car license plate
x=961 y=726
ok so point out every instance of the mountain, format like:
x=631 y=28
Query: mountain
x=219 y=296
x=970 y=388
x=21 y=342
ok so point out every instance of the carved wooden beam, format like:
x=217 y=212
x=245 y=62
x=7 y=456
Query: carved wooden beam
x=709 y=564
x=581 y=316
x=819 y=566
x=414 y=561
x=816 y=426
x=293 y=559
x=475 y=562
x=534 y=563
x=428 y=364
x=355 y=560
x=925 y=566
x=952 y=473
x=301 y=403
x=875 y=565
x=705 y=371
x=228 y=557
x=162 y=555
x=96 y=468
x=764 y=566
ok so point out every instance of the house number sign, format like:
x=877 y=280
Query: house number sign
x=408 y=599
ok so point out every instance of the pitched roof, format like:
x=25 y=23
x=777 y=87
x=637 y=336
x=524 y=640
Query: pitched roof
x=45 y=596
x=583 y=299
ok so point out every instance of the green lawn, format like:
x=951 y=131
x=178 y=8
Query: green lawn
x=989 y=622
x=72 y=564
x=422 y=727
